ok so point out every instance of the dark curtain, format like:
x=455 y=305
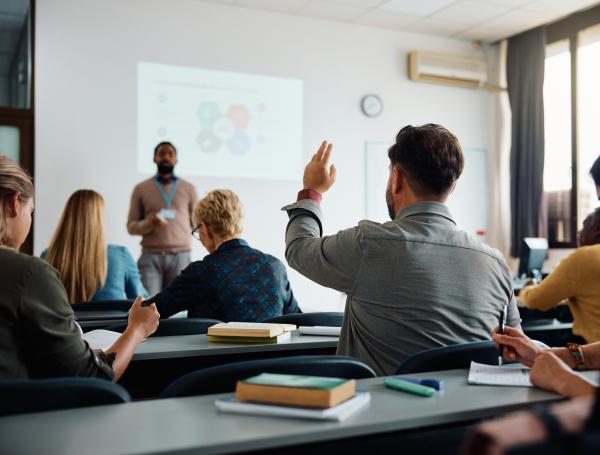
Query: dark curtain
x=525 y=76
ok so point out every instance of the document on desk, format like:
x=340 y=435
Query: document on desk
x=481 y=374
x=100 y=339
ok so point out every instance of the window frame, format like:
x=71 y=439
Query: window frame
x=569 y=29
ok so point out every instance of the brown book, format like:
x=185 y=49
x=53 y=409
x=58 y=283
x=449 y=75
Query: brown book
x=293 y=390
x=249 y=329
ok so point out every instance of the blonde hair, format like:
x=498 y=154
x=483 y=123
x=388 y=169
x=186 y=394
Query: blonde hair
x=78 y=246
x=13 y=180
x=221 y=210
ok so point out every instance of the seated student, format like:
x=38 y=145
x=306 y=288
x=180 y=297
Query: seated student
x=415 y=282
x=233 y=282
x=89 y=269
x=595 y=173
x=38 y=335
x=552 y=370
x=577 y=278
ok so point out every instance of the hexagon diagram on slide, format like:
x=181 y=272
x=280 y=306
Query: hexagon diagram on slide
x=239 y=115
x=239 y=143
x=208 y=141
x=208 y=113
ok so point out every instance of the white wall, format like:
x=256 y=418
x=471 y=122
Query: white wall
x=86 y=56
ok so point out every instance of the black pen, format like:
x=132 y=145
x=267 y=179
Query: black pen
x=150 y=300
x=501 y=325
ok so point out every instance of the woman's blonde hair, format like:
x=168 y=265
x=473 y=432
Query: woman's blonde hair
x=78 y=246
x=13 y=180
x=221 y=210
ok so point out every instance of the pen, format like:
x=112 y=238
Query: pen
x=501 y=324
x=150 y=300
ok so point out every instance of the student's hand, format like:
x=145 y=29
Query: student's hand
x=551 y=373
x=317 y=175
x=157 y=221
x=517 y=346
x=142 y=320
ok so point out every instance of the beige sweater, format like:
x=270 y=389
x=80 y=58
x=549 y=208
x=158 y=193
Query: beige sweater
x=146 y=200
x=576 y=278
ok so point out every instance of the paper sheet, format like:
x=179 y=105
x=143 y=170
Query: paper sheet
x=100 y=339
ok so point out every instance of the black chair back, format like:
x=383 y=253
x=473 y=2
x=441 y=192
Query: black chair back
x=450 y=357
x=39 y=395
x=103 y=305
x=330 y=319
x=223 y=378
x=173 y=327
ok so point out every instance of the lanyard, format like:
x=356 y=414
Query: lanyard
x=168 y=198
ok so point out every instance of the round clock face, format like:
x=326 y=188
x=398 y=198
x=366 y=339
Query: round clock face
x=371 y=105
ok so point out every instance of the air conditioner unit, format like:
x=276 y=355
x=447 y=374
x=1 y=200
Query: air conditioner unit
x=450 y=69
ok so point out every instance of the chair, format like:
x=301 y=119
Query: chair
x=330 y=319
x=172 y=327
x=103 y=305
x=39 y=395
x=450 y=357
x=223 y=378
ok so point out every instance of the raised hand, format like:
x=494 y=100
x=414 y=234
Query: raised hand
x=318 y=175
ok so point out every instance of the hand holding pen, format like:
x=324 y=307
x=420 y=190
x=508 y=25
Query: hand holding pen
x=501 y=325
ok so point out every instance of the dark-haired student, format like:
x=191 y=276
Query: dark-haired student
x=415 y=282
x=160 y=212
x=595 y=173
x=38 y=335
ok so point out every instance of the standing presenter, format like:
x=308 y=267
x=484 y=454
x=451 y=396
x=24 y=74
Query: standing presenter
x=160 y=212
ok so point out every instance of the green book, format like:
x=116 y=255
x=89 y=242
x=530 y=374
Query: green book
x=290 y=380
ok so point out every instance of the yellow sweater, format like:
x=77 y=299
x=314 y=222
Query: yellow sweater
x=576 y=278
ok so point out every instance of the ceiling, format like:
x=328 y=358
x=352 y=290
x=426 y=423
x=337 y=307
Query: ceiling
x=480 y=20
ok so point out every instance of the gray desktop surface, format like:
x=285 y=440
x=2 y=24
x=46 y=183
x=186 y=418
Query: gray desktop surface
x=193 y=424
x=198 y=345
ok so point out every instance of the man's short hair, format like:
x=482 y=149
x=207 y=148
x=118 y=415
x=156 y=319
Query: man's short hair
x=595 y=171
x=160 y=144
x=431 y=157
x=221 y=210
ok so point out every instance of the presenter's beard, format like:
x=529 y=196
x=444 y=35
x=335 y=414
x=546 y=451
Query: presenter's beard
x=390 y=203
x=165 y=169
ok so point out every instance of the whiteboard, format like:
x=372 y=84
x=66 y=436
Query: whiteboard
x=468 y=202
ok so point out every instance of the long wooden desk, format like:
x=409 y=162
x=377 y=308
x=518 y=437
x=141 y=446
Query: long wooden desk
x=160 y=360
x=193 y=424
x=99 y=319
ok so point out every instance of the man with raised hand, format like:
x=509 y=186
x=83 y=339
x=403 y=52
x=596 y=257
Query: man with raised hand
x=415 y=282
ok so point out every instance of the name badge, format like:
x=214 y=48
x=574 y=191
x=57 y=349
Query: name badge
x=168 y=214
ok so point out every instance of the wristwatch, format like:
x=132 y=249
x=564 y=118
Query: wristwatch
x=577 y=353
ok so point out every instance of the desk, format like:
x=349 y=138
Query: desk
x=99 y=319
x=555 y=333
x=160 y=360
x=193 y=425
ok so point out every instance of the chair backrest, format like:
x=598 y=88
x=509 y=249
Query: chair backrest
x=330 y=319
x=103 y=305
x=450 y=357
x=172 y=327
x=39 y=395
x=223 y=378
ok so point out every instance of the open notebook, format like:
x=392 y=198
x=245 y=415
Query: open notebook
x=516 y=375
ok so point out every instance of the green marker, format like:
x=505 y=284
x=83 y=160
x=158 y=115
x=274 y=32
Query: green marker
x=409 y=387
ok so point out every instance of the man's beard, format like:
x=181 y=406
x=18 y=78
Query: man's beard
x=165 y=169
x=390 y=203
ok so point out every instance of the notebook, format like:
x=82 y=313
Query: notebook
x=249 y=329
x=284 y=337
x=336 y=413
x=100 y=339
x=516 y=375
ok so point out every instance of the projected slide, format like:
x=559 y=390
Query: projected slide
x=223 y=124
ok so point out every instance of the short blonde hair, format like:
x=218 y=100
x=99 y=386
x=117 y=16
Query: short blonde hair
x=221 y=210
x=13 y=180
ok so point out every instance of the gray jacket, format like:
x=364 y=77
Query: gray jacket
x=413 y=283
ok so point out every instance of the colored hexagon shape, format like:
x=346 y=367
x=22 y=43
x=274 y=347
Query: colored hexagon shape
x=239 y=143
x=239 y=115
x=208 y=113
x=223 y=128
x=208 y=142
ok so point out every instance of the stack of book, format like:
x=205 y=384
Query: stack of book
x=250 y=332
x=311 y=397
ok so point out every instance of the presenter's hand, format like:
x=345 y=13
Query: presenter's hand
x=157 y=221
x=143 y=320
x=318 y=175
x=517 y=346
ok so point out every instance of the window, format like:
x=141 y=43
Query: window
x=571 y=113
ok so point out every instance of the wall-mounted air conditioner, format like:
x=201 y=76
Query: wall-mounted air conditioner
x=450 y=69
